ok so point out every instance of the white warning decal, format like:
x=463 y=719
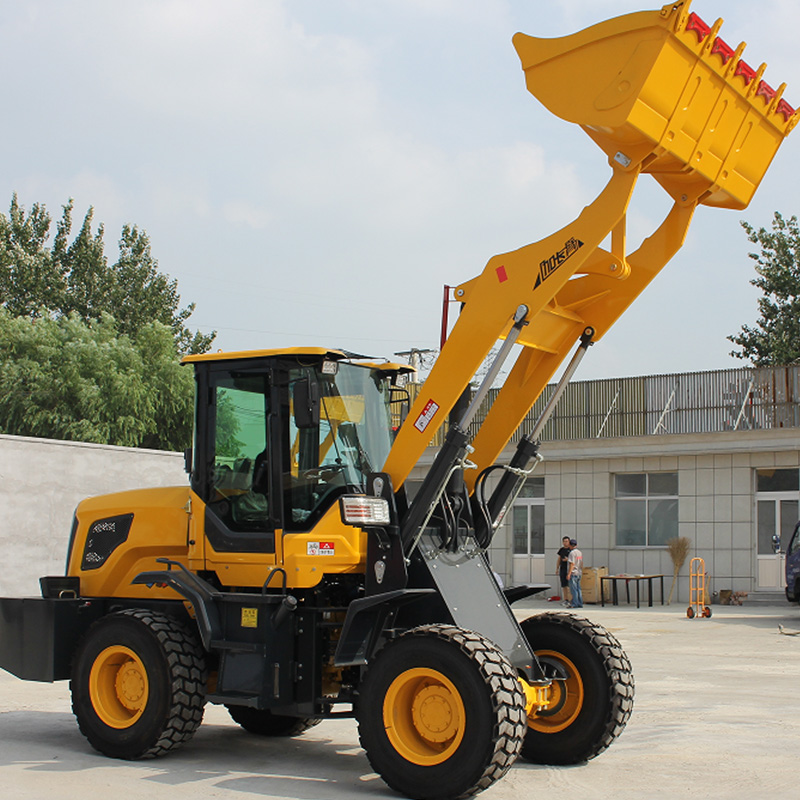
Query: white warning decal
x=320 y=549
x=428 y=413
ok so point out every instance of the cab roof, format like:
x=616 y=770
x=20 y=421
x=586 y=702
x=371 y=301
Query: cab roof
x=319 y=352
x=220 y=355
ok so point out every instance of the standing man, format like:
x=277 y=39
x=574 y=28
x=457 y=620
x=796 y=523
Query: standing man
x=561 y=569
x=574 y=572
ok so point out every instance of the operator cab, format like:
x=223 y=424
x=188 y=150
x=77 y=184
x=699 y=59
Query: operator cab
x=281 y=435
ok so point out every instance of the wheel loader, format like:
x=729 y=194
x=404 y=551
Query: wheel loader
x=298 y=577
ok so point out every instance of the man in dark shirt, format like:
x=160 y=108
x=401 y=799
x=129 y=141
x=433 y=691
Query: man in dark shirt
x=561 y=568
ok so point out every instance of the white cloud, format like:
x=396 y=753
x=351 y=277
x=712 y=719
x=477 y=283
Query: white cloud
x=244 y=213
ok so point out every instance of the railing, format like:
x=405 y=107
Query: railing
x=652 y=405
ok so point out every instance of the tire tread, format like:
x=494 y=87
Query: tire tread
x=507 y=697
x=186 y=664
x=621 y=685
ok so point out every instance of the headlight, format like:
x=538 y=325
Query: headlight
x=363 y=511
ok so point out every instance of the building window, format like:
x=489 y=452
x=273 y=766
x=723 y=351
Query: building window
x=647 y=508
x=778 y=480
x=528 y=519
x=778 y=502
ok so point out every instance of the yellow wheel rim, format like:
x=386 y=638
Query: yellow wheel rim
x=118 y=687
x=566 y=696
x=424 y=716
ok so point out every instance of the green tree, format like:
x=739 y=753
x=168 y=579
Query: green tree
x=775 y=339
x=73 y=276
x=29 y=277
x=65 y=379
x=141 y=293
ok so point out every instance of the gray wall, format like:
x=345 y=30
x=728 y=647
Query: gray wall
x=41 y=482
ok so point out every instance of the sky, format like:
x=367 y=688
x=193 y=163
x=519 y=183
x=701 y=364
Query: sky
x=313 y=172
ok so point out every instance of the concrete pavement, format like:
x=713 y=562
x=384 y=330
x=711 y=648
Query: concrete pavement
x=716 y=716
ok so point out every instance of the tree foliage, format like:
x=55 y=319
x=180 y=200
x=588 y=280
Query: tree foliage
x=775 y=339
x=63 y=378
x=73 y=276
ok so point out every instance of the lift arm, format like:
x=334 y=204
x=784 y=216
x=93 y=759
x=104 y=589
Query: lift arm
x=661 y=94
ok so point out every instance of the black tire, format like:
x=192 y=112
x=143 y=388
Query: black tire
x=263 y=722
x=138 y=684
x=592 y=703
x=690 y=612
x=441 y=713
x=706 y=612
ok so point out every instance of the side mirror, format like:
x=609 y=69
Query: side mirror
x=306 y=403
x=187 y=460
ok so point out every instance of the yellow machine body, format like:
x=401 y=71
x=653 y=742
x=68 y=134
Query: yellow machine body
x=332 y=548
x=661 y=94
x=169 y=523
x=159 y=529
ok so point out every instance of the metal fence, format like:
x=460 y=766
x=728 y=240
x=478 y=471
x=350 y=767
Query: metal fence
x=689 y=402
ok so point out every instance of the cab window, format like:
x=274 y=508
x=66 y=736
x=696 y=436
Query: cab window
x=239 y=479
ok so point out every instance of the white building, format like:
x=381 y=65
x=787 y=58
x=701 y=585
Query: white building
x=631 y=463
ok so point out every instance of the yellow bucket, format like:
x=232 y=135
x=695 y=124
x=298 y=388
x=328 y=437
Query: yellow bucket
x=662 y=91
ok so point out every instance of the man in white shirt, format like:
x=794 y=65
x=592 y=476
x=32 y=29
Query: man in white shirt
x=574 y=572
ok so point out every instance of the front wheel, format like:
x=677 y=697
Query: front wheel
x=441 y=713
x=591 y=697
x=138 y=684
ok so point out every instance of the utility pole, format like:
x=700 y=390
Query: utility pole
x=414 y=356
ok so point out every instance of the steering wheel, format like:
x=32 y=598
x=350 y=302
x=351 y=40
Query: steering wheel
x=322 y=471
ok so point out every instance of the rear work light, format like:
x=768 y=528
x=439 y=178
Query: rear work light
x=362 y=510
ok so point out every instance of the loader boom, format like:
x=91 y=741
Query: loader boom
x=661 y=93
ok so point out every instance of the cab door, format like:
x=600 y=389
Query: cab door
x=236 y=508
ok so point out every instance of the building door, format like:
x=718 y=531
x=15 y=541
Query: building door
x=777 y=517
x=528 y=533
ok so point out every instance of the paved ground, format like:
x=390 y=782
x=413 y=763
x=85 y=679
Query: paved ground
x=716 y=716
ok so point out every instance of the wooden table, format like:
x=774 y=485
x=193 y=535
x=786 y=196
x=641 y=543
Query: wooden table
x=628 y=578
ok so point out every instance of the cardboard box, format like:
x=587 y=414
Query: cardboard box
x=590 y=584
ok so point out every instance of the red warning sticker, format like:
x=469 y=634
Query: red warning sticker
x=502 y=275
x=428 y=413
x=320 y=549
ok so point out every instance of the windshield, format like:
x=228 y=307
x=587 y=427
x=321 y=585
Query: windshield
x=351 y=438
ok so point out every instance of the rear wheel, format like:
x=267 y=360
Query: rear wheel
x=263 y=722
x=441 y=713
x=138 y=684
x=591 y=694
